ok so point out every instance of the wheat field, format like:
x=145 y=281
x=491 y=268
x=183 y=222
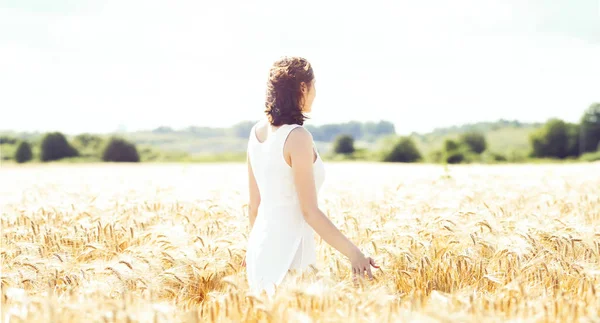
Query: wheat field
x=163 y=243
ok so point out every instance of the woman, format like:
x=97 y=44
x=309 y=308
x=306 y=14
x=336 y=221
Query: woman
x=285 y=173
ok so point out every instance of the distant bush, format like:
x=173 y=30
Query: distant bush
x=455 y=152
x=499 y=157
x=403 y=151
x=475 y=141
x=55 y=146
x=344 y=144
x=451 y=145
x=455 y=157
x=557 y=139
x=590 y=128
x=120 y=150
x=23 y=153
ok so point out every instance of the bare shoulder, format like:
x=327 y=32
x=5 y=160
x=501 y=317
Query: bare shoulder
x=300 y=137
x=299 y=144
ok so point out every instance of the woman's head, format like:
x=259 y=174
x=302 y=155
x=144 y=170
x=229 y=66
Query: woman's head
x=290 y=91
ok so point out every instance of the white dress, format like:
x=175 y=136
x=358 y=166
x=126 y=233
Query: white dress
x=280 y=238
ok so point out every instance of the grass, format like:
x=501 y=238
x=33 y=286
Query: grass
x=151 y=242
x=149 y=156
x=7 y=151
x=219 y=158
x=591 y=157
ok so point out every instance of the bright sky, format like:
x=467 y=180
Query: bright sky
x=83 y=65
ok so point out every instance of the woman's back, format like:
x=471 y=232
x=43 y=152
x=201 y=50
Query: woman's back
x=280 y=238
x=273 y=175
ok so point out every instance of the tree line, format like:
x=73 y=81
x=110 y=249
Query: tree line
x=554 y=139
x=55 y=146
x=403 y=149
x=367 y=131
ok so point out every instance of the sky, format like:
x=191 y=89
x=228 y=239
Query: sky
x=97 y=66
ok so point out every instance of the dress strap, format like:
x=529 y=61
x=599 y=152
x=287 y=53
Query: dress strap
x=281 y=138
x=284 y=131
x=277 y=137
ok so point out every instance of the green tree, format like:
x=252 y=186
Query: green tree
x=455 y=157
x=55 y=146
x=120 y=150
x=23 y=153
x=451 y=145
x=590 y=129
x=556 y=139
x=475 y=141
x=455 y=151
x=573 y=133
x=403 y=151
x=344 y=144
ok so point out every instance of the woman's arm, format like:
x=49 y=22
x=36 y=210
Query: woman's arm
x=299 y=147
x=254 y=195
x=254 y=198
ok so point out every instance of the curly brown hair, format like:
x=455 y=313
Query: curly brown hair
x=284 y=96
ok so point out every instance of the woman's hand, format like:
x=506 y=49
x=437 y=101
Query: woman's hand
x=361 y=265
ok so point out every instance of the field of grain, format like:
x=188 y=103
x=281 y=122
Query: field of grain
x=163 y=243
